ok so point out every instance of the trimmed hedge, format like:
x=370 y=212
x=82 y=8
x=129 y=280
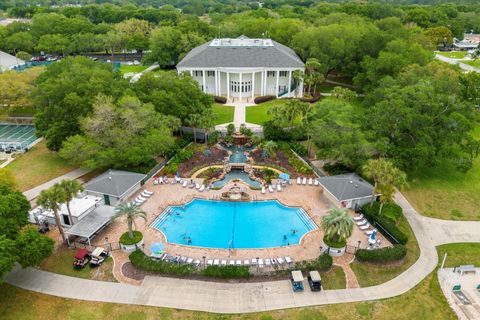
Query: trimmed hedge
x=312 y=99
x=336 y=245
x=227 y=272
x=141 y=261
x=221 y=100
x=371 y=213
x=125 y=239
x=323 y=262
x=388 y=254
x=263 y=99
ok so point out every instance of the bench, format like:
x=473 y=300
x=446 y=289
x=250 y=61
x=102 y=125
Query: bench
x=466 y=268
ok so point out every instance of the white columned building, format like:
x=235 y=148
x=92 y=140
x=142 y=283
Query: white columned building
x=241 y=69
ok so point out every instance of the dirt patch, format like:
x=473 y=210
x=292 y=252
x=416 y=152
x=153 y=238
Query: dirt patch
x=202 y=158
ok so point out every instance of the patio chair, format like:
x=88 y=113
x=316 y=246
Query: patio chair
x=139 y=197
x=223 y=263
x=268 y=263
x=270 y=188
x=246 y=262
x=216 y=262
x=254 y=262
x=202 y=188
x=147 y=192
x=232 y=262
x=369 y=232
x=279 y=188
x=183 y=259
x=145 y=195
x=210 y=262
x=155 y=181
x=197 y=186
x=310 y=181
x=280 y=260
x=263 y=189
x=364 y=227
x=189 y=261
x=184 y=184
x=358 y=218
x=238 y=262
x=260 y=263
x=288 y=260
x=196 y=263
x=304 y=181
x=178 y=179
x=299 y=180
x=361 y=222
x=274 y=261
x=316 y=183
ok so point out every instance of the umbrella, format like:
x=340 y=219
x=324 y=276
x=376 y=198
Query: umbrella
x=284 y=176
x=157 y=247
x=373 y=236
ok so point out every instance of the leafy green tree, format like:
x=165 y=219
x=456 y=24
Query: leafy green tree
x=344 y=93
x=120 y=135
x=8 y=255
x=51 y=199
x=112 y=42
x=134 y=34
x=439 y=36
x=86 y=42
x=14 y=209
x=313 y=76
x=20 y=41
x=271 y=148
x=53 y=43
x=16 y=88
x=7 y=180
x=163 y=46
x=71 y=188
x=131 y=212
x=65 y=92
x=337 y=224
x=33 y=247
x=195 y=121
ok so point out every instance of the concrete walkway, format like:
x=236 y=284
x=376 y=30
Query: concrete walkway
x=253 y=297
x=239 y=117
x=75 y=174
x=464 y=66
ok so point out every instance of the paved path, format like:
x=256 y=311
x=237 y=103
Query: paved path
x=464 y=66
x=253 y=297
x=137 y=76
x=75 y=174
x=239 y=117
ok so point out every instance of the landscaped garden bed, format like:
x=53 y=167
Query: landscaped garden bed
x=284 y=161
x=201 y=156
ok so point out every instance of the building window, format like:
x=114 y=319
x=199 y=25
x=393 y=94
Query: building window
x=197 y=73
x=270 y=73
x=210 y=73
x=240 y=86
x=283 y=73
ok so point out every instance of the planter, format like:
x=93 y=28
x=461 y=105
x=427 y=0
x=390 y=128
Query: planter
x=334 y=249
x=126 y=245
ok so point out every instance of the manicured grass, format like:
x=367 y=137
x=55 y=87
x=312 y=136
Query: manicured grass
x=61 y=262
x=425 y=301
x=473 y=63
x=333 y=279
x=453 y=54
x=38 y=165
x=446 y=193
x=224 y=113
x=459 y=253
x=369 y=274
x=126 y=68
x=259 y=114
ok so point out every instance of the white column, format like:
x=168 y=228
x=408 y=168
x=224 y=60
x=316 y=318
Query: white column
x=289 y=83
x=228 y=85
x=253 y=85
x=203 y=81
x=191 y=73
x=216 y=86
x=261 y=84
x=219 y=83
x=276 y=86
x=265 y=78
x=241 y=87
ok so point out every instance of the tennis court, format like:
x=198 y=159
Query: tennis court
x=16 y=137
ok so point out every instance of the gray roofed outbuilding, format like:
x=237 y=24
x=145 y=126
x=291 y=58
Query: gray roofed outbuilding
x=93 y=222
x=114 y=182
x=7 y=61
x=346 y=186
x=274 y=56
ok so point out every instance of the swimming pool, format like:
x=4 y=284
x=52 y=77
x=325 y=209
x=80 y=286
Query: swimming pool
x=238 y=155
x=237 y=174
x=239 y=225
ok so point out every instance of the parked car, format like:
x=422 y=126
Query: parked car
x=82 y=257
x=98 y=256
x=314 y=281
x=297 y=280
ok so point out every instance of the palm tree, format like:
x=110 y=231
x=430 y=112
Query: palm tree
x=298 y=76
x=337 y=224
x=386 y=177
x=194 y=120
x=70 y=188
x=270 y=147
x=131 y=211
x=51 y=198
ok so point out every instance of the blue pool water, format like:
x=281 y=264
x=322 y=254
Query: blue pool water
x=236 y=174
x=241 y=225
x=237 y=154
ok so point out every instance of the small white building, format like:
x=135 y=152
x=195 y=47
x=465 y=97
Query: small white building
x=8 y=62
x=244 y=68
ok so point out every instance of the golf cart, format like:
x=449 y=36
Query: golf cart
x=297 y=280
x=314 y=281
x=82 y=257
x=98 y=256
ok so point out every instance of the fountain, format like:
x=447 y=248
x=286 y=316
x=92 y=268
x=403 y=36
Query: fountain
x=235 y=193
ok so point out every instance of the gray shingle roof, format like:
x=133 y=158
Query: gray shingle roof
x=92 y=222
x=7 y=61
x=114 y=182
x=206 y=56
x=346 y=186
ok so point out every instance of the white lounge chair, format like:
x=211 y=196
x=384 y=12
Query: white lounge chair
x=369 y=232
x=270 y=188
x=139 y=197
x=361 y=222
x=223 y=263
x=304 y=181
x=263 y=189
x=254 y=262
x=279 y=188
x=246 y=262
x=197 y=186
x=280 y=260
x=183 y=259
x=178 y=179
x=139 y=201
x=155 y=181
x=358 y=218
x=201 y=188
x=238 y=262
x=232 y=262
x=260 y=263
x=185 y=183
x=210 y=262
x=268 y=263
x=310 y=181
x=189 y=261
x=144 y=195
x=299 y=180
x=216 y=262
x=147 y=192
x=288 y=260
x=365 y=227
x=316 y=183
x=196 y=263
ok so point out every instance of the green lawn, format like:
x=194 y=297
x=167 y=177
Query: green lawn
x=259 y=114
x=453 y=54
x=126 y=68
x=61 y=262
x=38 y=165
x=224 y=113
x=459 y=253
x=334 y=279
x=372 y=274
x=473 y=63
x=446 y=193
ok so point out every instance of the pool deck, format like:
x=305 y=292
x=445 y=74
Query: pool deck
x=310 y=198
